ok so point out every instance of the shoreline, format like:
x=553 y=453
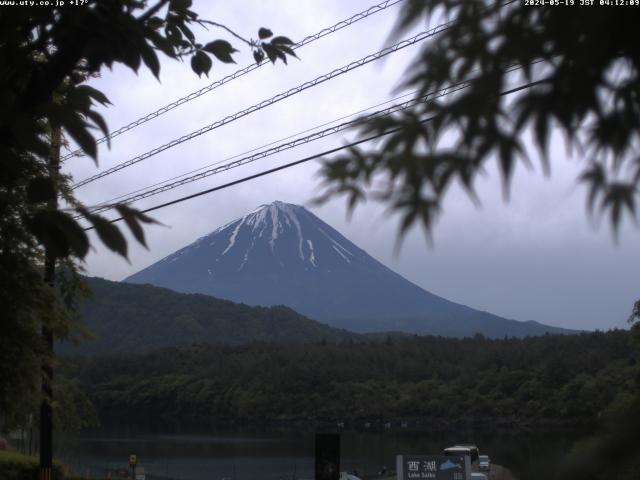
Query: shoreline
x=417 y=425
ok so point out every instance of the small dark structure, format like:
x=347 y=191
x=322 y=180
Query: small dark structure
x=327 y=456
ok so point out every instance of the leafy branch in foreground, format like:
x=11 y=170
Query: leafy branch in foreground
x=590 y=94
x=49 y=53
x=46 y=56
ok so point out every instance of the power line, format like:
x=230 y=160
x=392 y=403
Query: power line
x=265 y=103
x=239 y=73
x=207 y=170
x=254 y=149
x=135 y=196
x=306 y=159
x=257 y=175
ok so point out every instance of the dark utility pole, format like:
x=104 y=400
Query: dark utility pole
x=46 y=414
x=327 y=456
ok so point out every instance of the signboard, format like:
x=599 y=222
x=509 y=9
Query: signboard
x=133 y=460
x=433 y=467
x=140 y=473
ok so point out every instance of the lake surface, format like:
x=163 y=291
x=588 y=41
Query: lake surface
x=281 y=455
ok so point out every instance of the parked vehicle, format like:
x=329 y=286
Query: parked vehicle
x=475 y=451
x=484 y=462
x=478 y=476
x=465 y=449
x=348 y=476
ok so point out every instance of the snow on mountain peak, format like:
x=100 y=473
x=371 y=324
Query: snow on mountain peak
x=288 y=234
x=282 y=254
x=275 y=217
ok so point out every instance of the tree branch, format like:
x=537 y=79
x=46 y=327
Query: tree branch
x=219 y=25
x=152 y=11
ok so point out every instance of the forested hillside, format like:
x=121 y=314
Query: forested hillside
x=549 y=379
x=130 y=318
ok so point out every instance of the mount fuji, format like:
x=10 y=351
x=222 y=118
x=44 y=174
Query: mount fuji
x=282 y=254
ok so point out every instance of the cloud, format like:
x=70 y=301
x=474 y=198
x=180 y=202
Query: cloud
x=536 y=257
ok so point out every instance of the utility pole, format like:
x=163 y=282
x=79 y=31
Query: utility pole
x=46 y=414
x=327 y=456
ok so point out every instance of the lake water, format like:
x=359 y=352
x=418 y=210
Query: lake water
x=281 y=455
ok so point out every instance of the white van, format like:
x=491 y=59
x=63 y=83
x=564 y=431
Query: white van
x=469 y=450
x=348 y=476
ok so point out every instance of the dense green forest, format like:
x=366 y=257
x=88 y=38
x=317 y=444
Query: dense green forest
x=442 y=381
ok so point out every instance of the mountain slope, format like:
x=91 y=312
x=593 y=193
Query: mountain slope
x=129 y=318
x=283 y=254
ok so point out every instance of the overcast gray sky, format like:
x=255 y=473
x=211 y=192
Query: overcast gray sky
x=537 y=257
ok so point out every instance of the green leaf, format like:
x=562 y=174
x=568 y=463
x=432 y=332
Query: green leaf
x=187 y=31
x=287 y=50
x=132 y=218
x=144 y=218
x=77 y=129
x=43 y=227
x=162 y=44
x=59 y=233
x=264 y=33
x=133 y=225
x=541 y=129
x=130 y=57
x=271 y=52
x=150 y=59
x=173 y=34
x=281 y=55
x=100 y=122
x=258 y=56
x=276 y=50
x=618 y=197
x=97 y=95
x=282 y=41
x=201 y=63
x=75 y=235
x=110 y=235
x=595 y=177
x=221 y=49
x=78 y=98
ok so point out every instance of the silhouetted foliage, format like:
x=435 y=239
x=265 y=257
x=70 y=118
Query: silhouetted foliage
x=579 y=68
x=46 y=54
x=584 y=63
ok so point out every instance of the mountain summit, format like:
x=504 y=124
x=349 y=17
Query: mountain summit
x=283 y=254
